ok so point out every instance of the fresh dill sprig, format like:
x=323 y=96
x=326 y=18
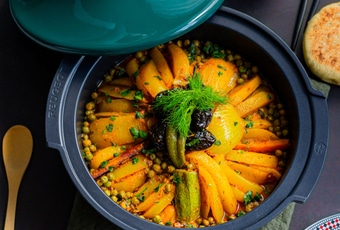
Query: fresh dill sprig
x=179 y=104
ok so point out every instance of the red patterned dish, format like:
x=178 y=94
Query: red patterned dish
x=328 y=223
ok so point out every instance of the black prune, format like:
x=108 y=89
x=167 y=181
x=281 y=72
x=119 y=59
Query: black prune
x=200 y=119
x=157 y=136
x=200 y=140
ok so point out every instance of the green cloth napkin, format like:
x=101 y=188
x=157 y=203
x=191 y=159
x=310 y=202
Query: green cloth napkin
x=85 y=217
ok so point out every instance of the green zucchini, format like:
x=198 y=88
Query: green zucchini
x=176 y=147
x=187 y=198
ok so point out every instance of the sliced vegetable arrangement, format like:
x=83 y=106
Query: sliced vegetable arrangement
x=185 y=134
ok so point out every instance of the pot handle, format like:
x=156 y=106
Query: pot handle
x=318 y=147
x=53 y=117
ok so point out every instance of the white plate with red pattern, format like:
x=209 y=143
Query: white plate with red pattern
x=328 y=223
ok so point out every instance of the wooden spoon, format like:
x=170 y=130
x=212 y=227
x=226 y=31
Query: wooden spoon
x=17 y=149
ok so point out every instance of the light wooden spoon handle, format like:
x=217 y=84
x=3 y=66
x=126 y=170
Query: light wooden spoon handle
x=13 y=189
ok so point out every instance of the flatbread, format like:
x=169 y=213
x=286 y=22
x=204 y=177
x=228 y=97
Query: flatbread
x=321 y=44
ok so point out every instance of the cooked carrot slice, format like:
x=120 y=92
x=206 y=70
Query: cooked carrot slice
x=162 y=66
x=104 y=154
x=239 y=195
x=149 y=79
x=133 y=165
x=236 y=179
x=263 y=146
x=161 y=204
x=153 y=198
x=168 y=214
x=116 y=161
x=212 y=200
x=254 y=134
x=250 y=173
x=179 y=64
x=241 y=92
x=130 y=182
x=252 y=158
x=254 y=102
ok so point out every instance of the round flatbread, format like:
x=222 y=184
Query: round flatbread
x=321 y=44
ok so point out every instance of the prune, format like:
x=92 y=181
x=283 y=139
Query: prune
x=200 y=119
x=200 y=140
x=157 y=135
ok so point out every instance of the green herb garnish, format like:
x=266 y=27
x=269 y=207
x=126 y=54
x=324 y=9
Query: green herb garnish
x=135 y=160
x=109 y=127
x=179 y=104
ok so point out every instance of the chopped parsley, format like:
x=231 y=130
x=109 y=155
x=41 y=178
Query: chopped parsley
x=125 y=92
x=103 y=164
x=138 y=95
x=135 y=160
x=109 y=127
x=250 y=124
x=136 y=133
x=248 y=197
x=217 y=143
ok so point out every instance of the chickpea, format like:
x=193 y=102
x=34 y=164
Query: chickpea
x=157 y=168
x=157 y=160
x=151 y=173
x=114 y=198
x=152 y=156
x=205 y=222
x=171 y=169
x=240 y=81
x=87 y=143
x=135 y=200
x=107 y=192
x=110 y=176
x=139 y=55
x=104 y=179
x=93 y=148
x=157 y=219
x=211 y=220
x=88 y=156
x=255 y=69
x=94 y=95
x=114 y=192
x=122 y=194
x=123 y=204
x=199 y=221
x=107 y=184
x=167 y=188
x=164 y=165
x=186 y=42
x=108 y=78
x=91 y=117
x=278 y=153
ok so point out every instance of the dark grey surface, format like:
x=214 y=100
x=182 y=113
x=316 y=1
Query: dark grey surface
x=46 y=195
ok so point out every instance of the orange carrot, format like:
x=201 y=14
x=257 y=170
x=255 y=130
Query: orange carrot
x=258 y=135
x=252 y=158
x=168 y=214
x=160 y=204
x=130 y=182
x=115 y=162
x=254 y=102
x=263 y=146
x=241 y=92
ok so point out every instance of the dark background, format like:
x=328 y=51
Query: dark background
x=47 y=193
